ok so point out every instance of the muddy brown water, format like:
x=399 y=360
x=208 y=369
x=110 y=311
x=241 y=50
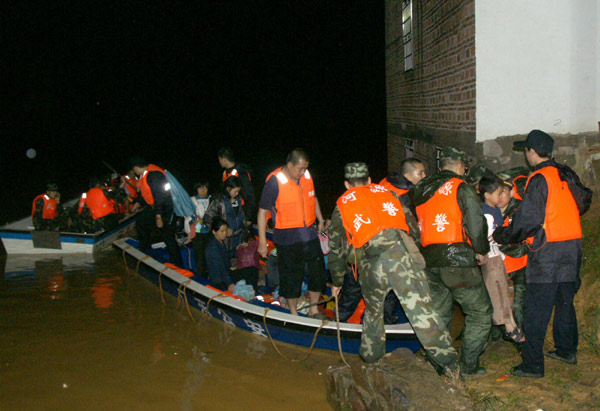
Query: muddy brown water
x=82 y=333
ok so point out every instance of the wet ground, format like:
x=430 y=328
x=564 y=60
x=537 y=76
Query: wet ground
x=82 y=334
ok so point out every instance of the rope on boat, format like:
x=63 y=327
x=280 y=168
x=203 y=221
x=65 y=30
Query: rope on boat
x=182 y=287
x=206 y=312
x=137 y=267
x=339 y=339
x=125 y=262
x=277 y=349
x=162 y=297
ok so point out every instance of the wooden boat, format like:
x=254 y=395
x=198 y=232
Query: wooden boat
x=19 y=237
x=256 y=316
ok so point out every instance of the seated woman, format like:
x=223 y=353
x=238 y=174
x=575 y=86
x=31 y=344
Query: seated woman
x=218 y=265
x=228 y=206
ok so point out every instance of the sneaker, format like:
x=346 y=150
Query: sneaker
x=520 y=371
x=569 y=359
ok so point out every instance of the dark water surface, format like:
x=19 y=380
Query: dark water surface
x=82 y=334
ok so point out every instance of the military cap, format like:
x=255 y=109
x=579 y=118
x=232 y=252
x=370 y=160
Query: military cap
x=356 y=170
x=453 y=153
x=510 y=174
x=476 y=172
x=51 y=187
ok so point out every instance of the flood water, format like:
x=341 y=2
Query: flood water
x=79 y=333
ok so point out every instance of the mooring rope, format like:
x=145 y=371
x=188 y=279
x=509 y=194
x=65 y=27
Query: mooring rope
x=206 y=312
x=162 y=297
x=182 y=287
x=339 y=339
x=277 y=349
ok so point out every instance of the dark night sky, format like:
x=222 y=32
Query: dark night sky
x=87 y=81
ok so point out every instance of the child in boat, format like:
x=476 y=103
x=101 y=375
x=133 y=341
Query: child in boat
x=199 y=231
x=494 y=272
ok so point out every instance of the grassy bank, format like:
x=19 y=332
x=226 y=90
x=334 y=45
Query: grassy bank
x=565 y=387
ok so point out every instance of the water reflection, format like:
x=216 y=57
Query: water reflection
x=87 y=334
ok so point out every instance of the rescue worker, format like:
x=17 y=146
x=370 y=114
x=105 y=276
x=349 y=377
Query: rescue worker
x=548 y=218
x=454 y=244
x=98 y=211
x=155 y=190
x=46 y=212
x=132 y=189
x=231 y=168
x=373 y=222
x=289 y=194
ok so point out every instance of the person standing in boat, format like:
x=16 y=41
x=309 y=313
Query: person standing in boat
x=154 y=188
x=231 y=169
x=289 y=194
x=47 y=213
x=372 y=220
x=229 y=206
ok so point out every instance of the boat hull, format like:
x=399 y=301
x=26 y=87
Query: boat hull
x=18 y=238
x=282 y=326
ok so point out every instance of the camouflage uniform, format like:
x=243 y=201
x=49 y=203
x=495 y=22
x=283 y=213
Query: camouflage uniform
x=386 y=263
x=452 y=269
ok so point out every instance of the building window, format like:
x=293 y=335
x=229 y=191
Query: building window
x=407 y=34
x=409 y=148
x=438 y=156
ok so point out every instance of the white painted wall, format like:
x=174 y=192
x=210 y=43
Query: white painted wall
x=538 y=66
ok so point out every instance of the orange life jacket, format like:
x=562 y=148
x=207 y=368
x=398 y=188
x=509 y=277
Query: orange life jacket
x=295 y=206
x=234 y=172
x=81 y=202
x=368 y=210
x=144 y=187
x=514 y=183
x=132 y=185
x=513 y=264
x=98 y=204
x=562 y=215
x=440 y=218
x=391 y=187
x=50 y=206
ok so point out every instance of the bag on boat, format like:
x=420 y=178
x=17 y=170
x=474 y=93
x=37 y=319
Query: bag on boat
x=182 y=203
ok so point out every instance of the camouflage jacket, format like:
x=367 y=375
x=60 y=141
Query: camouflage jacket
x=474 y=223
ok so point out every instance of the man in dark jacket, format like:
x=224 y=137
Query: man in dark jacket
x=549 y=218
x=155 y=190
x=231 y=168
x=454 y=240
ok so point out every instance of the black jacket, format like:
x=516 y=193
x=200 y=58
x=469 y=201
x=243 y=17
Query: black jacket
x=547 y=262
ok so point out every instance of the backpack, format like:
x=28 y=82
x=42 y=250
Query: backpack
x=582 y=194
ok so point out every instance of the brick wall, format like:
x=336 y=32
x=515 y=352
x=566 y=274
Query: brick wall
x=434 y=102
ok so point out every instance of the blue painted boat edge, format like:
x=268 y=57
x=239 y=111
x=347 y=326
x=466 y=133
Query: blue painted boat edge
x=288 y=332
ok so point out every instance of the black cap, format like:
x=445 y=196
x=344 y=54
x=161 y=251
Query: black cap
x=538 y=140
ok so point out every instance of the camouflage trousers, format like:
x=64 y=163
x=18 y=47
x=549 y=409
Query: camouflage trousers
x=392 y=268
x=468 y=290
x=518 y=280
